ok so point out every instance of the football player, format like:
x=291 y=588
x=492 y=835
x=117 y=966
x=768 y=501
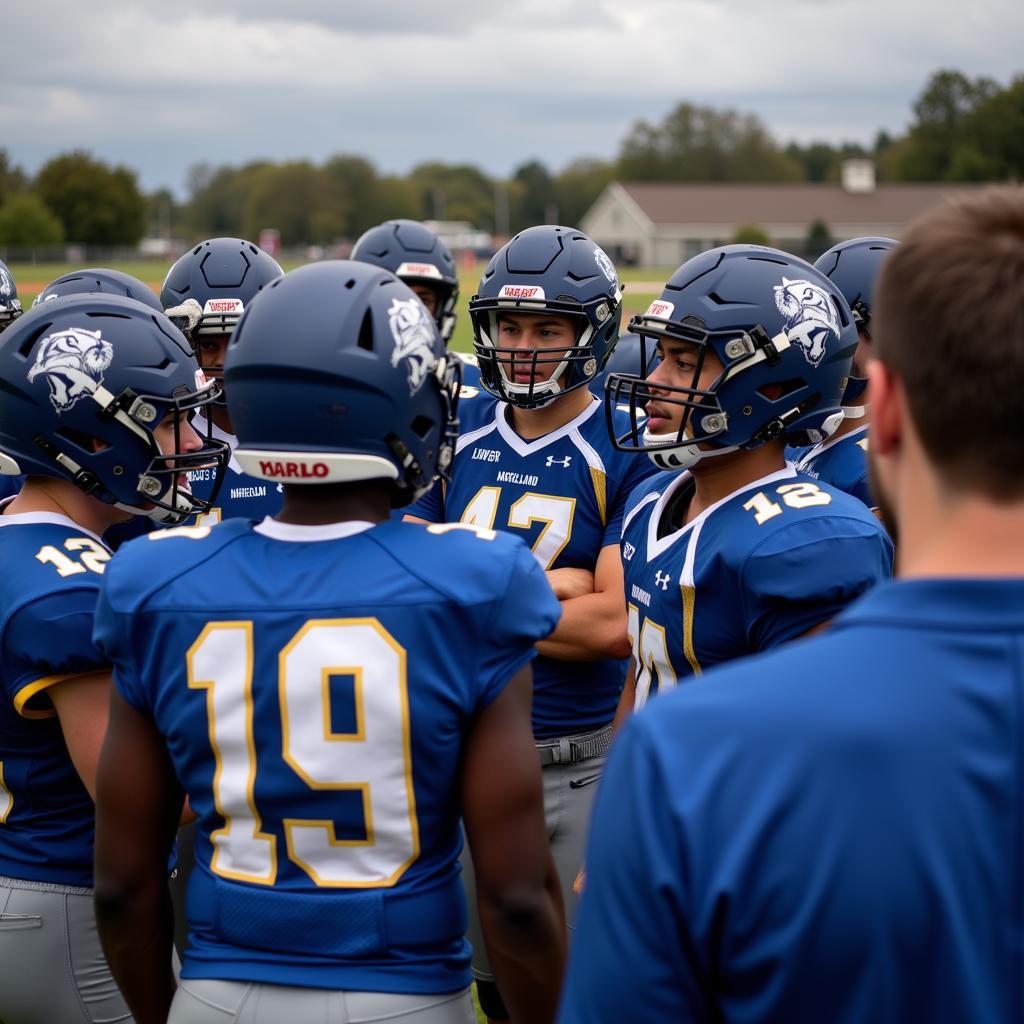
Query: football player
x=735 y=551
x=10 y=304
x=99 y=280
x=205 y=293
x=545 y=317
x=831 y=832
x=841 y=460
x=98 y=392
x=415 y=255
x=297 y=678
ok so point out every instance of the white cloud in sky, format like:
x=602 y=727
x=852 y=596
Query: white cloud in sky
x=159 y=86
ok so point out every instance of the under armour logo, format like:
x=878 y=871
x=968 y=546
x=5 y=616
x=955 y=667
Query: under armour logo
x=661 y=579
x=552 y=461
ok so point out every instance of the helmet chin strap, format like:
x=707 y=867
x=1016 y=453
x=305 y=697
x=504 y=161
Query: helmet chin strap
x=680 y=456
x=854 y=412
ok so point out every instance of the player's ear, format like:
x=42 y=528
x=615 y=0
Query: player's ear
x=888 y=408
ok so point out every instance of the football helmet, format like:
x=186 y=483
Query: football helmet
x=853 y=268
x=101 y=280
x=628 y=356
x=84 y=382
x=10 y=304
x=364 y=389
x=784 y=336
x=415 y=255
x=547 y=269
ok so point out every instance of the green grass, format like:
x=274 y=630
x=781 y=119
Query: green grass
x=33 y=277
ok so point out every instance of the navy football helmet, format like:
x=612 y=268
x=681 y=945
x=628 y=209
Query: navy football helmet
x=630 y=355
x=364 y=389
x=10 y=304
x=84 y=382
x=784 y=336
x=415 y=255
x=99 y=280
x=853 y=267
x=547 y=269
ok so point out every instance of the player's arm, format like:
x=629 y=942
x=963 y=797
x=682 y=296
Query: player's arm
x=82 y=704
x=415 y=519
x=627 y=699
x=138 y=803
x=518 y=895
x=569 y=582
x=593 y=626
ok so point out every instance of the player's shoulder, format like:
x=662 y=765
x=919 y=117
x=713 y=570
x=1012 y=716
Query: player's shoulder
x=150 y=564
x=465 y=564
x=44 y=554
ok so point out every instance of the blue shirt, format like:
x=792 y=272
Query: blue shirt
x=475 y=404
x=841 y=462
x=314 y=687
x=831 y=832
x=765 y=564
x=241 y=496
x=52 y=571
x=565 y=494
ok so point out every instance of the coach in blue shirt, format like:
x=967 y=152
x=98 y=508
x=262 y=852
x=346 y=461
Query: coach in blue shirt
x=835 y=831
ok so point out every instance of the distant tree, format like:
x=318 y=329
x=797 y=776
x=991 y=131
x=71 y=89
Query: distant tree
x=162 y=213
x=218 y=197
x=455 y=192
x=751 y=234
x=994 y=146
x=818 y=159
x=26 y=221
x=534 y=194
x=293 y=198
x=704 y=144
x=12 y=179
x=942 y=127
x=578 y=185
x=96 y=204
x=818 y=239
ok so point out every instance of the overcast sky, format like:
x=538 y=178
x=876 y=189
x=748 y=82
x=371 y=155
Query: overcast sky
x=159 y=86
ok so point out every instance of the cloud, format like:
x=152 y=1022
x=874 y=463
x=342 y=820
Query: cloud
x=162 y=86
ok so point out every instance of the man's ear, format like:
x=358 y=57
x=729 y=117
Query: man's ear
x=888 y=407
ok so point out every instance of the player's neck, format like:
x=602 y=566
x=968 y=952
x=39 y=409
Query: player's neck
x=533 y=423
x=946 y=532
x=718 y=477
x=222 y=419
x=366 y=501
x=60 y=497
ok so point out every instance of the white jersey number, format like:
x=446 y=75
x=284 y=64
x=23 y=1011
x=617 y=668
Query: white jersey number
x=554 y=511
x=650 y=656
x=374 y=759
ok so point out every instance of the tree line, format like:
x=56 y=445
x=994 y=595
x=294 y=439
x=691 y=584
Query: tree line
x=962 y=129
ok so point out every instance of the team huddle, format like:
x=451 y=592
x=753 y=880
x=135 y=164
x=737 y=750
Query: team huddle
x=316 y=636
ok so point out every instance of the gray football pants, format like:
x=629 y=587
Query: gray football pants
x=569 y=791
x=52 y=969
x=199 y=1001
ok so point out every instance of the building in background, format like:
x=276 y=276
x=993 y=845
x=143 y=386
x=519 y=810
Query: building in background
x=655 y=224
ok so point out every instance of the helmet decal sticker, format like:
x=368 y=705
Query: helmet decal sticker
x=413 y=331
x=606 y=265
x=72 y=362
x=810 y=316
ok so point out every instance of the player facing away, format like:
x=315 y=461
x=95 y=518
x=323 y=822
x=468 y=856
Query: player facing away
x=831 y=832
x=10 y=310
x=96 y=395
x=736 y=552
x=841 y=460
x=541 y=467
x=205 y=293
x=332 y=689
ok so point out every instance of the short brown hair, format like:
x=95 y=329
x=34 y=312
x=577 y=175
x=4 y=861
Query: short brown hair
x=948 y=319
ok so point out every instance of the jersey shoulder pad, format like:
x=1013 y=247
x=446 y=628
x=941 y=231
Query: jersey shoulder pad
x=148 y=564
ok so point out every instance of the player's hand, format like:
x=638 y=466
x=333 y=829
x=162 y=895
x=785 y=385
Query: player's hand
x=580 y=881
x=568 y=582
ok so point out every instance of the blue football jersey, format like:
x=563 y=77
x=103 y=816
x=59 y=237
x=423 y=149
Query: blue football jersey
x=762 y=566
x=241 y=496
x=52 y=572
x=565 y=494
x=475 y=404
x=10 y=485
x=841 y=462
x=314 y=686
x=829 y=832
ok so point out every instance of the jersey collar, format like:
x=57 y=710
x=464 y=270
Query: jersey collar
x=34 y=518
x=523 y=448
x=823 y=446
x=276 y=530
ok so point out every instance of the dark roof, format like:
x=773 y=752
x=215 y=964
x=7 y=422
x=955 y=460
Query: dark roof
x=744 y=203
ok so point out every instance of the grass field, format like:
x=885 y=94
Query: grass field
x=640 y=286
